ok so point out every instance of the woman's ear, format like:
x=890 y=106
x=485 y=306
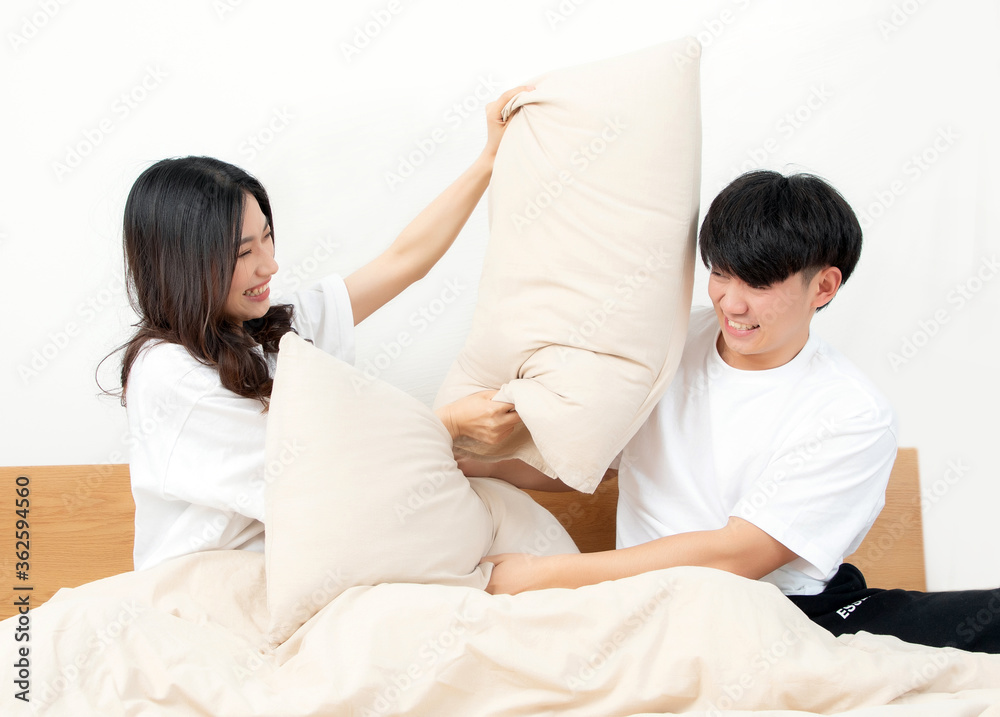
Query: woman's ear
x=825 y=285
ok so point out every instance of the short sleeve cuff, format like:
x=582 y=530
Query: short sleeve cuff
x=341 y=313
x=820 y=562
x=324 y=316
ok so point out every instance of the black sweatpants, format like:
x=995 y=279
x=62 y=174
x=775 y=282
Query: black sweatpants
x=966 y=619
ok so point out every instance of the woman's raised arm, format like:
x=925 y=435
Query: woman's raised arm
x=432 y=232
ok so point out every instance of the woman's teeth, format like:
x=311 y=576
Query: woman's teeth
x=741 y=327
x=258 y=291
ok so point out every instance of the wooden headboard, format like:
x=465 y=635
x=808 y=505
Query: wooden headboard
x=80 y=527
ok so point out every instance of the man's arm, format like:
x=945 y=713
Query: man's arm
x=739 y=547
x=516 y=472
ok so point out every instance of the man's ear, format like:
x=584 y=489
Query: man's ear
x=825 y=285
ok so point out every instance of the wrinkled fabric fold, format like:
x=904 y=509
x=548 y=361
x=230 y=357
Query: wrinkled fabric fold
x=188 y=637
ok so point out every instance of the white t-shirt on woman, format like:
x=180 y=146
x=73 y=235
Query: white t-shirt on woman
x=197 y=449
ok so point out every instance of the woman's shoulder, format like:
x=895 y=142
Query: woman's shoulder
x=163 y=356
x=169 y=365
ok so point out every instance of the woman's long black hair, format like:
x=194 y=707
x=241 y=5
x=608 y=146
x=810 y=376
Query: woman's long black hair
x=182 y=230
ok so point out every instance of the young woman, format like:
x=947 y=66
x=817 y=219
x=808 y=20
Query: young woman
x=196 y=375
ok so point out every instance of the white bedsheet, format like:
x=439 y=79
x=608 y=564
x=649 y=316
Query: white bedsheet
x=188 y=637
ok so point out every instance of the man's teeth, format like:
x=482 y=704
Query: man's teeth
x=258 y=291
x=741 y=327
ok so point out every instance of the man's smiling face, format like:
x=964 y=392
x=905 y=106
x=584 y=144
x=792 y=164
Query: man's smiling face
x=766 y=327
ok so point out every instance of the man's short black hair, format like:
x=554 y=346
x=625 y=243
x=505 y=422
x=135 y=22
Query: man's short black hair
x=764 y=227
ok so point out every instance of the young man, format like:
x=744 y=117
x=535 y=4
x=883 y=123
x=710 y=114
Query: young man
x=769 y=454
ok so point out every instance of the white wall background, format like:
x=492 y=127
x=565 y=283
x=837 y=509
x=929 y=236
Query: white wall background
x=893 y=101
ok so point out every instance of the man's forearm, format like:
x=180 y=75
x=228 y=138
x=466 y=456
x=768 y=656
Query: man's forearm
x=516 y=472
x=739 y=547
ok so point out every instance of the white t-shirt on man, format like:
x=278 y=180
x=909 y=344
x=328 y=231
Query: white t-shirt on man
x=197 y=449
x=802 y=451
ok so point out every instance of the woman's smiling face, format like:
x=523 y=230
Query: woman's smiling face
x=249 y=293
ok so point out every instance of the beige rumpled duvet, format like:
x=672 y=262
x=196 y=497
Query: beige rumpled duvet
x=188 y=637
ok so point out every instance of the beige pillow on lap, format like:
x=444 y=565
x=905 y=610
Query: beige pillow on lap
x=520 y=525
x=363 y=489
x=586 y=288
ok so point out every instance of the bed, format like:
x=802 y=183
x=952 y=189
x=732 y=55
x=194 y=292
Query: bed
x=187 y=637
x=81 y=526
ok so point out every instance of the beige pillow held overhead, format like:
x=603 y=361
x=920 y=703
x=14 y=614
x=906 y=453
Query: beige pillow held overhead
x=586 y=287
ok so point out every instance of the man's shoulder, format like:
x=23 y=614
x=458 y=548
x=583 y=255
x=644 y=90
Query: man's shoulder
x=830 y=364
x=836 y=382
